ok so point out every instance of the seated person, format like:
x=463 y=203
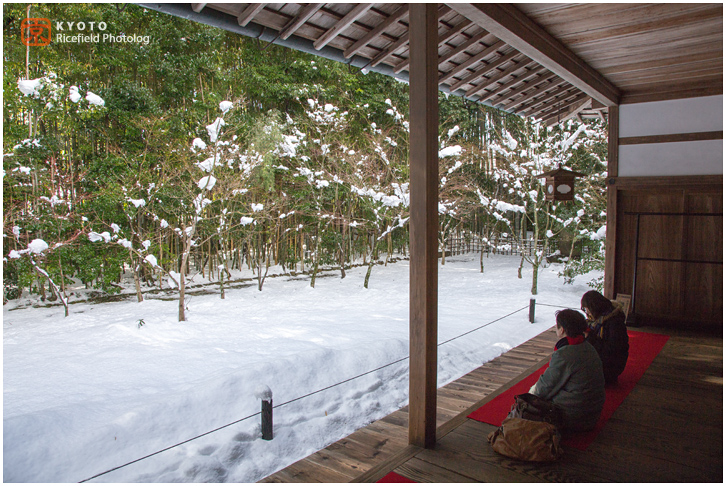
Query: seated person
x=574 y=380
x=607 y=333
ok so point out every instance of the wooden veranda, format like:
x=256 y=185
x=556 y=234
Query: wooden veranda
x=669 y=429
x=655 y=72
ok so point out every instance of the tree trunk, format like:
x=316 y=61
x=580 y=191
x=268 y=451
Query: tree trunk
x=137 y=280
x=223 y=263
x=316 y=258
x=389 y=239
x=302 y=252
x=182 y=277
x=137 y=284
x=535 y=272
x=371 y=261
x=341 y=257
x=442 y=245
x=521 y=264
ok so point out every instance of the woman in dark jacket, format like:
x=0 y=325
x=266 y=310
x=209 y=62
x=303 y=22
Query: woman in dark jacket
x=607 y=333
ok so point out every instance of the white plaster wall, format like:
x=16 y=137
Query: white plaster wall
x=690 y=115
x=671 y=159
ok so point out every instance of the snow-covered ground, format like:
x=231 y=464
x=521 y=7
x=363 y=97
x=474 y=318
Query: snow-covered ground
x=117 y=381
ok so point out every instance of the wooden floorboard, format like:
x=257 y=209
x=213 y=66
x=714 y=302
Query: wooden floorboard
x=668 y=429
x=425 y=472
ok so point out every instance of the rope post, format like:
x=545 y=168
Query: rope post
x=531 y=310
x=264 y=393
x=267 y=420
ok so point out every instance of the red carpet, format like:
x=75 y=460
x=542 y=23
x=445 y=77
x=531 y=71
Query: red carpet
x=392 y=477
x=644 y=347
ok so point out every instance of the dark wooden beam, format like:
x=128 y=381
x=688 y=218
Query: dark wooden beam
x=342 y=24
x=249 y=13
x=574 y=109
x=457 y=29
x=521 y=79
x=541 y=103
x=512 y=26
x=390 y=49
x=678 y=137
x=424 y=167
x=495 y=78
x=550 y=82
x=558 y=107
x=482 y=71
x=471 y=61
x=303 y=16
x=373 y=34
x=612 y=202
x=402 y=41
x=198 y=7
x=463 y=46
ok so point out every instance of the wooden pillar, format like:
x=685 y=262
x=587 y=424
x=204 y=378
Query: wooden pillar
x=424 y=164
x=612 y=201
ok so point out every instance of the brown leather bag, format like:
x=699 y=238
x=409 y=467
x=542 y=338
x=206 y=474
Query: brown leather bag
x=532 y=407
x=527 y=440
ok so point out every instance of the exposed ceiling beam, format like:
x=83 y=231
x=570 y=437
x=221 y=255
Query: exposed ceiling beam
x=343 y=24
x=512 y=26
x=392 y=19
x=513 y=82
x=563 y=111
x=508 y=99
x=249 y=13
x=516 y=66
x=197 y=7
x=574 y=109
x=485 y=69
x=555 y=101
x=302 y=17
x=547 y=101
x=457 y=29
x=476 y=38
x=402 y=41
x=472 y=60
x=551 y=83
x=390 y=49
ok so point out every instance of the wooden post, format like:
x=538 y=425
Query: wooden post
x=267 y=419
x=531 y=310
x=423 y=298
x=612 y=201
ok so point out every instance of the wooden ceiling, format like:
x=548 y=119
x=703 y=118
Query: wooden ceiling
x=542 y=60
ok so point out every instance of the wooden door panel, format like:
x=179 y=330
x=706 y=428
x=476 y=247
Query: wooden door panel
x=676 y=291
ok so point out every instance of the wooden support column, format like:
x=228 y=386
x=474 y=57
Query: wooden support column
x=612 y=201
x=424 y=164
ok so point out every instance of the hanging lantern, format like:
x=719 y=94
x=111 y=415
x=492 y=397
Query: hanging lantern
x=560 y=184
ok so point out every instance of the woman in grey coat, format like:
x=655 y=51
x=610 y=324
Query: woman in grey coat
x=574 y=380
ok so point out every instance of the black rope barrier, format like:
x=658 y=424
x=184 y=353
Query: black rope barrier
x=340 y=383
x=485 y=325
x=552 y=305
x=170 y=447
x=296 y=399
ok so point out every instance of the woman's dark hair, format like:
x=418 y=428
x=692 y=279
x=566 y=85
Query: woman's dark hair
x=596 y=303
x=571 y=321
